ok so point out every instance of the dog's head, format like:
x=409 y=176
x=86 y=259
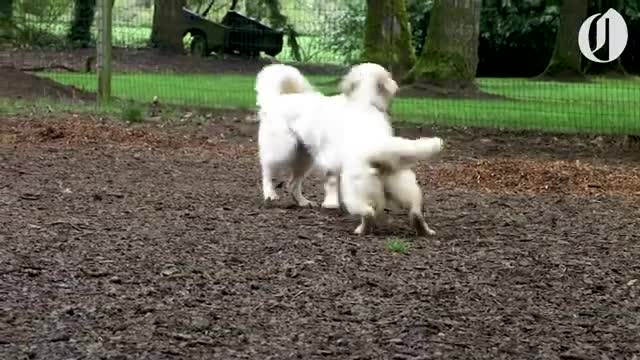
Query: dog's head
x=369 y=82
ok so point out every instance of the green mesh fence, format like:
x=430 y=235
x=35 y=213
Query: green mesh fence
x=515 y=46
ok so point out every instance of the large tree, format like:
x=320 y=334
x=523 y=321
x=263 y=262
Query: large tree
x=278 y=20
x=6 y=9
x=387 y=39
x=449 y=58
x=6 y=18
x=83 y=16
x=566 y=59
x=167 y=19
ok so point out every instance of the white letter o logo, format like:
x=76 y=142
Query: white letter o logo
x=617 y=36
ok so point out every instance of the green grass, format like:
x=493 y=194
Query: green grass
x=398 y=246
x=604 y=106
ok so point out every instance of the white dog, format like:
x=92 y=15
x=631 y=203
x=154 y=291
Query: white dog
x=347 y=135
x=280 y=148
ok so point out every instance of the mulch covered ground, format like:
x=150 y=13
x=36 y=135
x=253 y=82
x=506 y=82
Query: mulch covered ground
x=17 y=64
x=146 y=60
x=17 y=84
x=151 y=241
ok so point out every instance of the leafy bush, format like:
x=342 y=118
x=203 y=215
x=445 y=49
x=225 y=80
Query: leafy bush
x=517 y=38
x=41 y=23
x=38 y=37
x=132 y=112
x=45 y=10
x=345 y=31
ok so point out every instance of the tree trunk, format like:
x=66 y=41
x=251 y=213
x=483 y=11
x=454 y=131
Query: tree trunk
x=614 y=68
x=83 y=16
x=167 y=22
x=566 y=59
x=279 y=21
x=255 y=9
x=143 y=3
x=449 y=58
x=276 y=18
x=387 y=39
x=611 y=69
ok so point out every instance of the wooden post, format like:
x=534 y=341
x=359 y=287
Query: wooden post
x=103 y=48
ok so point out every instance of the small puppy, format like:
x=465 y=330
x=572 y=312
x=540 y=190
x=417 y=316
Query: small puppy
x=347 y=135
x=398 y=189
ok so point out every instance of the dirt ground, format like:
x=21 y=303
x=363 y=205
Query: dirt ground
x=146 y=60
x=18 y=84
x=151 y=242
x=152 y=61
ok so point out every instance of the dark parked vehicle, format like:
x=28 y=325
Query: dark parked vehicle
x=236 y=34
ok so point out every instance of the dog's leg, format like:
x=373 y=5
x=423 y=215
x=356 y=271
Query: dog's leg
x=366 y=225
x=331 y=200
x=300 y=168
x=382 y=217
x=276 y=147
x=402 y=188
x=296 y=193
x=367 y=217
x=268 y=189
x=416 y=219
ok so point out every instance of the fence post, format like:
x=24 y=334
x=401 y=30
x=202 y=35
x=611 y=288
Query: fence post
x=103 y=48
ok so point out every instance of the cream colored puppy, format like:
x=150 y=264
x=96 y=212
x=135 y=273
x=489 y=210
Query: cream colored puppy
x=398 y=189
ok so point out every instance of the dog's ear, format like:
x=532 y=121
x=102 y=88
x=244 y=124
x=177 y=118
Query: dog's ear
x=387 y=87
x=349 y=84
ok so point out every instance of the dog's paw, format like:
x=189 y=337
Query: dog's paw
x=366 y=225
x=424 y=230
x=421 y=227
x=269 y=201
x=435 y=143
x=330 y=205
x=307 y=203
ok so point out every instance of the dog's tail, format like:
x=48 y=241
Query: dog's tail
x=278 y=79
x=398 y=152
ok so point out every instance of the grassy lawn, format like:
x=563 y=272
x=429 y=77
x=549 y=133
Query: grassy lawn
x=605 y=106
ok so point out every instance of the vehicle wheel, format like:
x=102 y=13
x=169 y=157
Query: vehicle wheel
x=199 y=46
x=219 y=50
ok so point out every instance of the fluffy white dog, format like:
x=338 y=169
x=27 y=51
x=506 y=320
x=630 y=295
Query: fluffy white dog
x=347 y=135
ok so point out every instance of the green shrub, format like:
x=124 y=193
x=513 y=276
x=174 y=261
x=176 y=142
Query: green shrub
x=398 y=246
x=132 y=112
x=41 y=23
x=345 y=31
